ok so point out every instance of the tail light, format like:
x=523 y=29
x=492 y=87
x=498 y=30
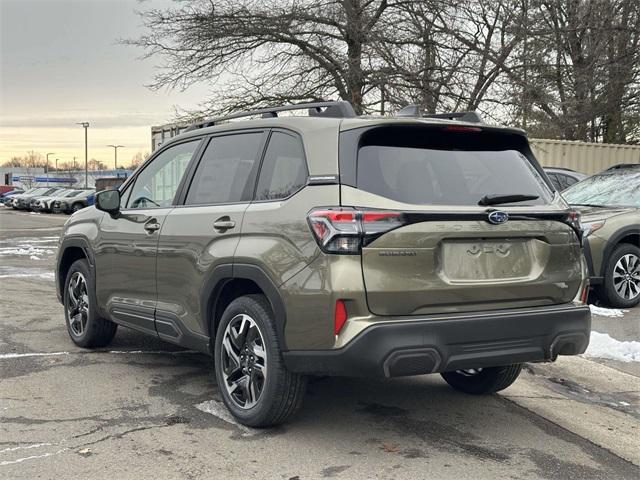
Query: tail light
x=347 y=230
x=573 y=220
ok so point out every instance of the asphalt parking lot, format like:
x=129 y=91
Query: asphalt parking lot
x=147 y=409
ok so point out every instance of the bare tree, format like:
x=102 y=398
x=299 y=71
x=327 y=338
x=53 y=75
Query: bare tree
x=560 y=68
x=266 y=52
x=580 y=70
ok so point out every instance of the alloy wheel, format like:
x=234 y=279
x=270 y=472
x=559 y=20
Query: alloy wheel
x=626 y=276
x=78 y=304
x=244 y=361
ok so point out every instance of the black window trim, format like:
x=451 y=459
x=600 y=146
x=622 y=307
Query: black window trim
x=127 y=186
x=304 y=158
x=180 y=201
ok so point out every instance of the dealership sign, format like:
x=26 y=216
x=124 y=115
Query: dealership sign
x=31 y=179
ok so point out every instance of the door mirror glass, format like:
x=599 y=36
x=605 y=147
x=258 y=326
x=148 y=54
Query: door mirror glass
x=108 y=201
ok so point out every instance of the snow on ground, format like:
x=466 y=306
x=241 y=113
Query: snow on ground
x=607 y=312
x=15 y=272
x=28 y=250
x=603 y=345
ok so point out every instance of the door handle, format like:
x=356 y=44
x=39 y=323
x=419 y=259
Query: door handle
x=223 y=224
x=152 y=225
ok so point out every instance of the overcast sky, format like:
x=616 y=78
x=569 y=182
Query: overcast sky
x=61 y=63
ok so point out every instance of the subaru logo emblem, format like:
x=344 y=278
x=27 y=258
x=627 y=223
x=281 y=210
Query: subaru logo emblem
x=498 y=217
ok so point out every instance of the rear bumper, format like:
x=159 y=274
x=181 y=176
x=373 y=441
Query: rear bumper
x=453 y=342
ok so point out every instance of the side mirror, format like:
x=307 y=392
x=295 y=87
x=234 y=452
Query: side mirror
x=108 y=201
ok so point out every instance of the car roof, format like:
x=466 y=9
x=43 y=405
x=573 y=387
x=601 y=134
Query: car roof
x=320 y=133
x=306 y=124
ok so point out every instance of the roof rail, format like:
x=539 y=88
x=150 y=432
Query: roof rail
x=415 y=112
x=336 y=109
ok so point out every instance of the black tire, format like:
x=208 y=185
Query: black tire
x=282 y=391
x=608 y=291
x=486 y=380
x=97 y=332
x=76 y=206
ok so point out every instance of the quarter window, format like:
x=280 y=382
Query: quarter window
x=224 y=173
x=157 y=184
x=284 y=169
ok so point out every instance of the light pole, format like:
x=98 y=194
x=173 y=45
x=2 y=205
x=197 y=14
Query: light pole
x=115 y=155
x=85 y=125
x=47 y=167
x=74 y=172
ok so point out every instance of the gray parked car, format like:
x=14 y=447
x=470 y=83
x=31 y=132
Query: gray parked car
x=563 y=178
x=72 y=203
x=45 y=203
x=333 y=245
x=23 y=201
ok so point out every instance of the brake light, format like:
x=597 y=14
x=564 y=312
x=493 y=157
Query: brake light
x=461 y=129
x=347 y=230
x=340 y=316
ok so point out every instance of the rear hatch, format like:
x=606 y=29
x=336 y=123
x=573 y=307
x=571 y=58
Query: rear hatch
x=444 y=249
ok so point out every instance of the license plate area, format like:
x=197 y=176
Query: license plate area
x=483 y=261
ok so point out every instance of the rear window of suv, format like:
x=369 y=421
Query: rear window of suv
x=427 y=166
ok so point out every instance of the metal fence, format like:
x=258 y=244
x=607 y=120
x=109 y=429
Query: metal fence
x=584 y=157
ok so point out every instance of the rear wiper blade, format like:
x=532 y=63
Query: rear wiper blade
x=496 y=199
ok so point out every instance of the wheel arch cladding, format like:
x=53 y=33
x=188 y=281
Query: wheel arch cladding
x=72 y=249
x=630 y=234
x=226 y=283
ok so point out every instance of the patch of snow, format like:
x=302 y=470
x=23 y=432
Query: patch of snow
x=607 y=312
x=42 y=276
x=217 y=409
x=603 y=345
x=28 y=240
x=15 y=272
x=5 y=356
x=21 y=355
x=29 y=250
x=26 y=447
x=34 y=257
x=33 y=457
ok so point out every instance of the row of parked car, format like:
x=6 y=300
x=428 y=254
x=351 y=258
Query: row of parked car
x=49 y=199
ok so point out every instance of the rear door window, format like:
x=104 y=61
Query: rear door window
x=446 y=171
x=284 y=169
x=226 y=173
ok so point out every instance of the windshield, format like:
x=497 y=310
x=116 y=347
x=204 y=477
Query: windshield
x=426 y=176
x=616 y=188
x=73 y=193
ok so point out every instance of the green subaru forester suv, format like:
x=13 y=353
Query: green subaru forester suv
x=334 y=244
